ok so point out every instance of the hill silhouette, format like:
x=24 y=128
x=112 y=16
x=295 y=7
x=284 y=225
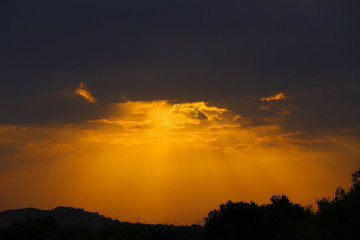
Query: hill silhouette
x=63 y=216
x=76 y=223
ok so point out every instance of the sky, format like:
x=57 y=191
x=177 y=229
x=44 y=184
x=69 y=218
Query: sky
x=162 y=110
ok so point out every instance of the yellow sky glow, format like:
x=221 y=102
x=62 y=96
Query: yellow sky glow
x=168 y=163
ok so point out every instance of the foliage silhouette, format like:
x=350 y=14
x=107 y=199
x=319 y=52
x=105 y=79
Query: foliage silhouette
x=251 y=221
x=337 y=218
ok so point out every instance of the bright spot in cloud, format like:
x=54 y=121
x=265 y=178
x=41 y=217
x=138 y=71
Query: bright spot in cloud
x=82 y=91
x=161 y=121
x=277 y=97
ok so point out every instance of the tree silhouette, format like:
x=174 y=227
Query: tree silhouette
x=250 y=221
x=239 y=220
x=339 y=218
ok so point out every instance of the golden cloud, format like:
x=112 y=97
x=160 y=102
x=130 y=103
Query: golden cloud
x=165 y=122
x=277 y=97
x=83 y=92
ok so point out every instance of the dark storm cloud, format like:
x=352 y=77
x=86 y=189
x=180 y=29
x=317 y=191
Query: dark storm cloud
x=45 y=109
x=229 y=52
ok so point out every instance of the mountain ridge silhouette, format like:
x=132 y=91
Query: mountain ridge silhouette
x=63 y=216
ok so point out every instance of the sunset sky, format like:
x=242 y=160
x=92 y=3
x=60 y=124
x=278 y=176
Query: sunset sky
x=162 y=110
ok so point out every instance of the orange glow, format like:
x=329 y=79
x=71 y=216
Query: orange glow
x=82 y=91
x=168 y=163
x=276 y=97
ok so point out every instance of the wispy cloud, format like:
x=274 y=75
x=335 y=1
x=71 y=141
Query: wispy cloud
x=82 y=91
x=277 y=97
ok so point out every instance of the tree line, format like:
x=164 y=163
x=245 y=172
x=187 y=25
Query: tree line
x=336 y=218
